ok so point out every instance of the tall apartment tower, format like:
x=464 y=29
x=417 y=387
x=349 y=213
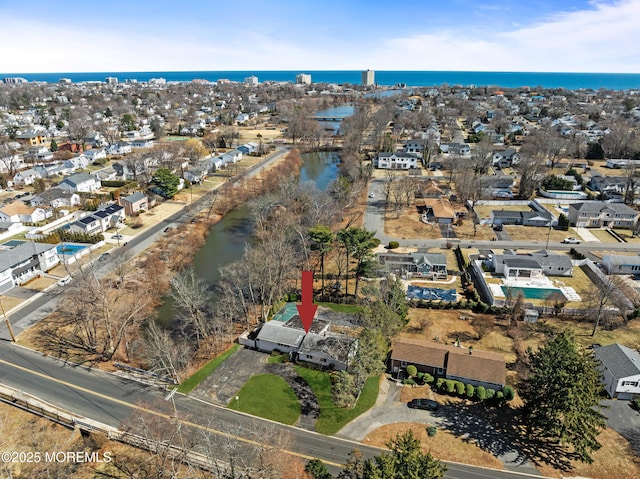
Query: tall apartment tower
x=303 y=78
x=368 y=78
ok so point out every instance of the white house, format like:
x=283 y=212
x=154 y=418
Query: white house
x=620 y=264
x=24 y=262
x=56 y=198
x=620 y=370
x=99 y=221
x=80 y=183
x=26 y=177
x=396 y=161
x=96 y=154
x=18 y=212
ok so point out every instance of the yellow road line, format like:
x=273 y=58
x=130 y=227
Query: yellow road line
x=159 y=414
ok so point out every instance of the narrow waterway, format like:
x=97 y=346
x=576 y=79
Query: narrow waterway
x=229 y=237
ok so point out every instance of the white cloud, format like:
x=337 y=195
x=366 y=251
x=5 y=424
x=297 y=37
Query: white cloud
x=603 y=39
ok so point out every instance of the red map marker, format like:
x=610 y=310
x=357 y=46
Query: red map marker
x=307 y=310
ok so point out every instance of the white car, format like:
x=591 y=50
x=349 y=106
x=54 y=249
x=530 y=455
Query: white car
x=64 y=281
x=571 y=240
x=371 y=195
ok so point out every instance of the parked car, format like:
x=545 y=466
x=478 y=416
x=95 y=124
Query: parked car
x=423 y=403
x=64 y=281
x=371 y=195
x=571 y=240
x=103 y=257
x=117 y=237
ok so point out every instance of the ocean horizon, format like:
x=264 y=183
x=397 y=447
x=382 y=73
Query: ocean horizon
x=570 y=81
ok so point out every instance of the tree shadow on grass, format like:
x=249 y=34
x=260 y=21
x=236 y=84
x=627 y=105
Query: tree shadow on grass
x=499 y=431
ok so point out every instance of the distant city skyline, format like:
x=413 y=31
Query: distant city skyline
x=459 y=35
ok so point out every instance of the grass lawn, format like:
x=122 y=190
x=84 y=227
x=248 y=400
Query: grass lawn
x=342 y=308
x=268 y=396
x=195 y=379
x=333 y=418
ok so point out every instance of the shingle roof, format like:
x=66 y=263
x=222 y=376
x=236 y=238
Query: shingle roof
x=483 y=366
x=620 y=360
x=22 y=252
x=277 y=332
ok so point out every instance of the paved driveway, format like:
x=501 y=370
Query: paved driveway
x=625 y=420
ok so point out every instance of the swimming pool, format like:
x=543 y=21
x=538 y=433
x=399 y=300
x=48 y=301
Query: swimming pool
x=532 y=293
x=434 y=294
x=69 y=248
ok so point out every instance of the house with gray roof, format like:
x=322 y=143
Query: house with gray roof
x=24 y=262
x=522 y=266
x=319 y=346
x=620 y=370
x=80 y=183
x=621 y=264
x=99 y=221
x=524 y=218
x=56 y=198
x=425 y=265
x=396 y=161
x=598 y=214
x=135 y=203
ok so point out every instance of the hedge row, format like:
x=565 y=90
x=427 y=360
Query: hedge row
x=479 y=393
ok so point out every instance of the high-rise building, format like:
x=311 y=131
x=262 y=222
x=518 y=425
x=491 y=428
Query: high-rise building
x=303 y=78
x=252 y=80
x=368 y=78
x=111 y=80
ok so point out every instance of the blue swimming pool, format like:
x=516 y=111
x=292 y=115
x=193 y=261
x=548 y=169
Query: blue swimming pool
x=532 y=293
x=70 y=248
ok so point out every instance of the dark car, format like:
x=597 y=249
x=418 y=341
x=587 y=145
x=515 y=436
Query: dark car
x=427 y=404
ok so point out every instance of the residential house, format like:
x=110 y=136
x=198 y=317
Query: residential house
x=460 y=149
x=32 y=136
x=76 y=163
x=598 y=214
x=80 y=183
x=106 y=174
x=396 y=161
x=622 y=163
x=439 y=210
x=25 y=177
x=524 y=218
x=49 y=170
x=56 y=198
x=142 y=143
x=249 y=148
x=232 y=156
x=432 y=189
x=620 y=370
x=121 y=148
x=416 y=145
x=471 y=366
x=620 y=264
x=505 y=158
x=97 y=154
x=9 y=228
x=18 y=212
x=531 y=265
x=106 y=217
x=10 y=161
x=24 y=262
x=319 y=346
x=135 y=203
x=424 y=265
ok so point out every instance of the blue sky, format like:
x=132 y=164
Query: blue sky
x=480 y=35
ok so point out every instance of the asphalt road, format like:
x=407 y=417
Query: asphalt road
x=115 y=401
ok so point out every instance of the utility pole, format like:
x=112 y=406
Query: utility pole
x=6 y=320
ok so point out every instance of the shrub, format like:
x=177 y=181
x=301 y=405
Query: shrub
x=490 y=393
x=499 y=396
x=409 y=382
x=439 y=383
x=432 y=431
x=508 y=393
x=428 y=378
x=470 y=390
x=393 y=244
x=450 y=386
x=460 y=389
x=481 y=394
x=412 y=371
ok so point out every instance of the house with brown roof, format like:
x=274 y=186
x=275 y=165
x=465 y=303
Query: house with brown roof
x=471 y=366
x=18 y=212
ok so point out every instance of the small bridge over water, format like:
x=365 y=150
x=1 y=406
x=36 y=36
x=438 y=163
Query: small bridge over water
x=330 y=118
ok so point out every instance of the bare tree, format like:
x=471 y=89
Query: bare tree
x=192 y=297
